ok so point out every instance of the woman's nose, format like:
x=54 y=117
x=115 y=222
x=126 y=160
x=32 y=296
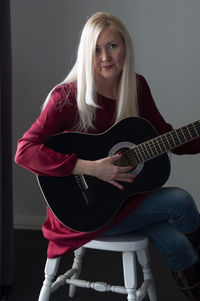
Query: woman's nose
x=105 y=55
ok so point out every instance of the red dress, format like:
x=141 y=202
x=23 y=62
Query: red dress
x=59 y=115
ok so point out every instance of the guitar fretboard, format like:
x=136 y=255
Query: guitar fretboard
x=161 y=144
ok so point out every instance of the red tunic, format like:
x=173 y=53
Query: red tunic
x=60 y=115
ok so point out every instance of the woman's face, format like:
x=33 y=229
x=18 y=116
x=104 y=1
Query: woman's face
x=109 y=55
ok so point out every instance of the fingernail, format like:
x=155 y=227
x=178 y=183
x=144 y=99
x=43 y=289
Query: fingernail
x=119 y=153
x=132 y=181
x=122 y=188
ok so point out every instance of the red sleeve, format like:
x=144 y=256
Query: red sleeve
x=149 y=111
x=58 y=116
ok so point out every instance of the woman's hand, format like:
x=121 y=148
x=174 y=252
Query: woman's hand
x=106 y=170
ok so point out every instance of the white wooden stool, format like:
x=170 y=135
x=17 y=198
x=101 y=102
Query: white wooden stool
x=132 y=246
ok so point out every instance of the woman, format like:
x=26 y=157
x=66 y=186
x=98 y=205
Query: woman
x=101 y=89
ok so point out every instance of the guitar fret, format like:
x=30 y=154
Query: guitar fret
x=167 y=142
x=158 y=146
x=154 y=150
x=134 y=151
x=147 y=151
x=197 y=127
x=176 y=138
x=170 y=140
x=151 y=154
x=163 y=143
x=187 y=132
x=192 y=130
x=141 y=152
x=185 y=139
x=180 y=135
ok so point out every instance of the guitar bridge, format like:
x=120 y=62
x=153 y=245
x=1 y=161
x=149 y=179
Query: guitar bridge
x=82 y=183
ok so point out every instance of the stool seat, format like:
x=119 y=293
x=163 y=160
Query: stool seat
x=119 y=243
x=132 y=246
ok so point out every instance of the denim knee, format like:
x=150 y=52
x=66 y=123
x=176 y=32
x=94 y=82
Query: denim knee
x=183 y=199
x=173 y=244
x=185 y=216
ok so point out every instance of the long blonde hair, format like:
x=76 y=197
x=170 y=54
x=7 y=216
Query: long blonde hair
x=83 y=72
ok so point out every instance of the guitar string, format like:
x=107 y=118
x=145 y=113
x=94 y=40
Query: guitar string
x=154 y=148
x=168 y=142
x=145 y=148
x=188 y=133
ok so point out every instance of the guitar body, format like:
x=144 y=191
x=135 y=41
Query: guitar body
x=87 y=203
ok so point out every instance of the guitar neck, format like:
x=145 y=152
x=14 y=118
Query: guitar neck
x=162 y=144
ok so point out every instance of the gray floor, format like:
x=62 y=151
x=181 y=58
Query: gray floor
x=30 y=257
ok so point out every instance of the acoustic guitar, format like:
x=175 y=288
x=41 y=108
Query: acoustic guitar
x=85 y=203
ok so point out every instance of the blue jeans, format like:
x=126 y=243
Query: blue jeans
x=164 y=216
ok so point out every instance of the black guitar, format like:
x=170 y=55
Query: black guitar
x=84 y=203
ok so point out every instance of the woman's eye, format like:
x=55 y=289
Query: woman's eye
x=113 y=45
x=109 y=46
x=98 y=50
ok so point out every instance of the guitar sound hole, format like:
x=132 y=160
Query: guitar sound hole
x=128 y=158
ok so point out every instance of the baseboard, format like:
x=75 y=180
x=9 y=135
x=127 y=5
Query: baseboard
x=28 y=222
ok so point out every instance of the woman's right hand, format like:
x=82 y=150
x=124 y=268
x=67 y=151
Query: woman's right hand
x=106 y=170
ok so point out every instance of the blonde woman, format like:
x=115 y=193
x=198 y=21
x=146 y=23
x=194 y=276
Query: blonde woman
x=101 y=89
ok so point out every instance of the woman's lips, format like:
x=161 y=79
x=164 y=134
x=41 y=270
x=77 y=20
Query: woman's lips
x=108 y=67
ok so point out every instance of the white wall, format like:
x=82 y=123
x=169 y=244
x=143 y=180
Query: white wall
x=167 y=46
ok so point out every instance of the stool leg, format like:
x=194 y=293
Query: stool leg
x=144 y=260
x=130 y=274
x=51 y=268
x=78 y=256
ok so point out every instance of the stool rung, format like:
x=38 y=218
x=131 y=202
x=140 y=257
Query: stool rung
x=61 y=280
x=98 y=286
